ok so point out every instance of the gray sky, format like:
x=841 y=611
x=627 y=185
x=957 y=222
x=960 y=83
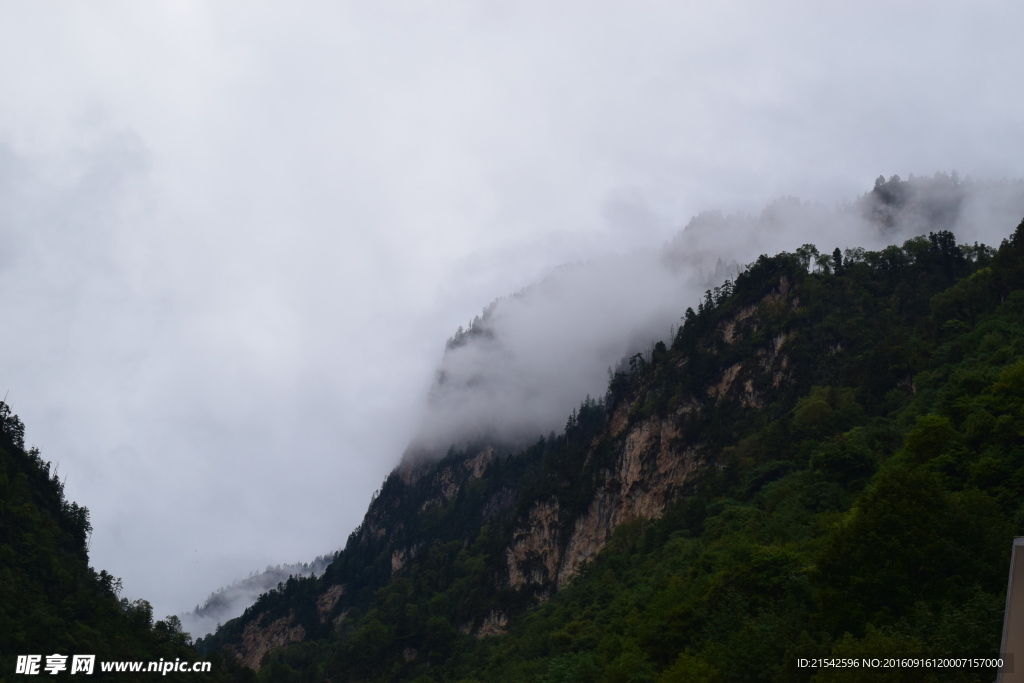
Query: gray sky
x=235 y=236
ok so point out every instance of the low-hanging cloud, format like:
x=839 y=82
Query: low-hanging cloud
x=519 y=368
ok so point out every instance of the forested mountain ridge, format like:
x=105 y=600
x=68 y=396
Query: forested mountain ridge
x=827 y=458
x=51 y=600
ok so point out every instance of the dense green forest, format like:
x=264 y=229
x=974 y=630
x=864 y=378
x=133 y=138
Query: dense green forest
x=858 y=420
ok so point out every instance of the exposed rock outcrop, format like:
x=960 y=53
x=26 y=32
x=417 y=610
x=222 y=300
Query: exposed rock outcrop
x=327 y=601
x=649 y=472
x=258 y=638
x=533 y=555
x=494 y=624
x=449 y=481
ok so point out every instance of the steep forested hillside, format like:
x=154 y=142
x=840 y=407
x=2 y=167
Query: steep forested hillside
x=51 y=601
x=827 y=459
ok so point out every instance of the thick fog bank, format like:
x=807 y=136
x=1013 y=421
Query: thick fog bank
x=531 y=357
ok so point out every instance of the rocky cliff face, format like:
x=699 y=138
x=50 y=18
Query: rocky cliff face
x=652 y=467
x=262 y=635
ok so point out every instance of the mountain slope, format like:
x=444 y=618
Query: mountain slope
x=826 y=459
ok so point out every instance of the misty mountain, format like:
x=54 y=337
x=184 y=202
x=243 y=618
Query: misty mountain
x=230 y=601
x=643 y=465
x=517 y=369
x=820 y=456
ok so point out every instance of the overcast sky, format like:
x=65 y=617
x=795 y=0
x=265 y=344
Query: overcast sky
x=234 y=236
